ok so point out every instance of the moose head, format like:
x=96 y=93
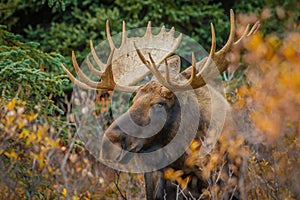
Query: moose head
x=155 y=115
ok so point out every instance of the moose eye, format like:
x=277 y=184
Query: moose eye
x=160 y=105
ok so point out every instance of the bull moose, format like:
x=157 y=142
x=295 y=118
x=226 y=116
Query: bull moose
x=154 y=118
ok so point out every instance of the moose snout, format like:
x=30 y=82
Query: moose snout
x=118 y=146
x=111 y=146
x=130 y=133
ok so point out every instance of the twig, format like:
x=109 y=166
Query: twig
x=116 y=182
x=233 y=192
x=179 y=191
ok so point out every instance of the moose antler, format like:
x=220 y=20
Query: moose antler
x=219 y=58
x=124 y=68
x=107 y=81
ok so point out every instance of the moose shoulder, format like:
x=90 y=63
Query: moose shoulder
x=155 y=116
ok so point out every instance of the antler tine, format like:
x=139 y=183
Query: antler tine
x=167 y=76
x=254 y=28
x=193 y=79
x=163 y=29
x=145 y=61
x=92 y=68
x=154 y=70
x=218 y=57
x=108 y=36
x=96 y=58
x=212 y=49
x=196 y=80
x=75 y=81
x=230 y=39
x=163 y=80
x=172 y=31
x=151 y=66
x=213 y=40
x=107 y=80
x=152 y=60
x=194 y=70
x=123 y=33
x=243 y=35
x=148 y=30
x=247 y=33
x=87 y=84
x=81 y=75
x=193 y=74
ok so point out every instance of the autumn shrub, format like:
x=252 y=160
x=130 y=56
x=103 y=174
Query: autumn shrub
x=26 y=152
x=274 y=99
x=261 y=160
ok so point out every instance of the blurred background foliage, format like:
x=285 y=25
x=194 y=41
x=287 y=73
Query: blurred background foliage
x=37 y=36
x=62 y=26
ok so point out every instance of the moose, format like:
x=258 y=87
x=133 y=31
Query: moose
x=156 y=107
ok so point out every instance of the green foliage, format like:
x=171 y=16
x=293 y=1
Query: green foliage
x=190 y=18
x=73 y=32
x=18 y=14
x=56 y=3
x=29 y=73
x=10 y=14
x=65 y=25
x=83 y=21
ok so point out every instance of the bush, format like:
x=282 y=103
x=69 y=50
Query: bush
x=26 y=154
x=262 y=161
x=29 y=74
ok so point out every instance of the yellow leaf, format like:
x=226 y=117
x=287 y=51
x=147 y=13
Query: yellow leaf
x=31 y=138
x=31 y=117
x=50 y=170
x=10 y=117
x=194 y=145
x=12 y=155
x=21 y=123
x=64 y=192
x=169 y=173
x=183 y=183
x=172 y=174
x=24 y=133
x=40 y=133
x=75 y=198
x=11 y=104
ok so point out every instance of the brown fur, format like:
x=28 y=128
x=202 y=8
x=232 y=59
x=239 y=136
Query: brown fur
x=149 y=95
x=153 y=96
